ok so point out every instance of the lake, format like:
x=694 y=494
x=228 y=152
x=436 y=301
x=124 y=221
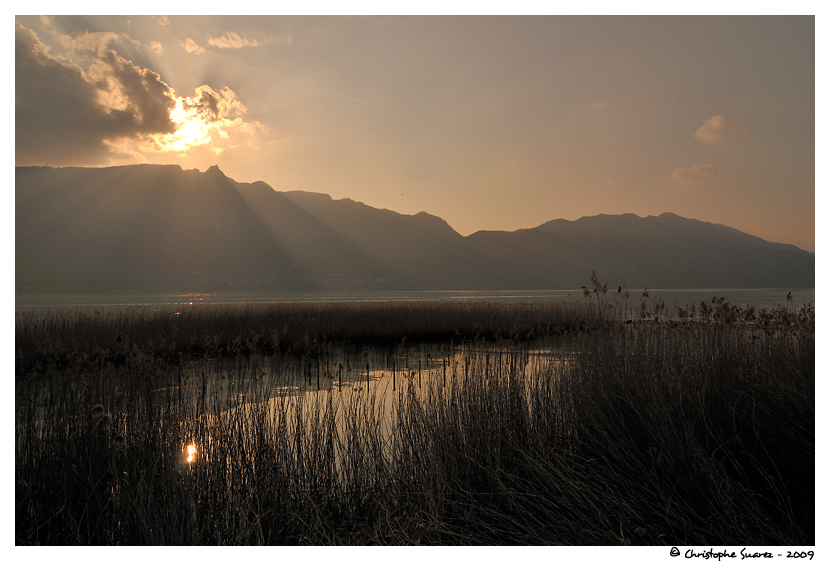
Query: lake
x=338 y=382
x=210 y=397
x=757 y=297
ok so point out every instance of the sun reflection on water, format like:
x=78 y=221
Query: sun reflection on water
x=190 y=453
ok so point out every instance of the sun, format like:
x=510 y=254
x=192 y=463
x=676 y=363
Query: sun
x=210 y=119
x=191 y=129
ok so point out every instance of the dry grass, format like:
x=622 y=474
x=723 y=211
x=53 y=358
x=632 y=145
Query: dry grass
x=62 y=338
x=652 y=433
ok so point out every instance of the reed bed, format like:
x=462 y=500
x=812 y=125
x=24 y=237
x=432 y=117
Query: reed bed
x=652 y=433
x=60 y=338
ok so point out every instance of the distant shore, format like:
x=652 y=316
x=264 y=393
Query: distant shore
x=745 y=297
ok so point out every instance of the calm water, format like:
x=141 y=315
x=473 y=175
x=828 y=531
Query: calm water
x=209 y=394
x=758 y=297
x=370 y=381
x=227 y=383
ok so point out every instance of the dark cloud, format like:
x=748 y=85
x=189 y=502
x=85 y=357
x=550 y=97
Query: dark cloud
x=148 y=98
x=70 y=24
x=65 y=114
x=206 y=102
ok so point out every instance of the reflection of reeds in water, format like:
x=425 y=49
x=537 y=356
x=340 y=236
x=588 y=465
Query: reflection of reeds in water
x=647 y=434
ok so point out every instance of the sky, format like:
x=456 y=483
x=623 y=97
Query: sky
x=490 y=122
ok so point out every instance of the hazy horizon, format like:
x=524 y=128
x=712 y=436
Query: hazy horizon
x=491 y=123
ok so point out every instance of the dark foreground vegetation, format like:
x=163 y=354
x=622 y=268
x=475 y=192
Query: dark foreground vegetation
x=61 y=339
x=671 y=428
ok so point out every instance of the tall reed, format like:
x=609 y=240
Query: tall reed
x=651 y=433
x=62 y=338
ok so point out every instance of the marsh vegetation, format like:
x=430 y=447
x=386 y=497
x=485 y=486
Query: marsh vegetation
x=415 y=423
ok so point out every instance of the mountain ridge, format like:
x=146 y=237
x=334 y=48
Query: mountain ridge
x=146 y=227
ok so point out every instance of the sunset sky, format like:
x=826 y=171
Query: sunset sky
x=493 y=123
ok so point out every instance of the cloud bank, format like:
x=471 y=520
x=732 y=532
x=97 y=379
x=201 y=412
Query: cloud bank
x=91 y=106
x=64 y=114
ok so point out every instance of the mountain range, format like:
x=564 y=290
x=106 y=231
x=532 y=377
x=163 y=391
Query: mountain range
x=153 y=228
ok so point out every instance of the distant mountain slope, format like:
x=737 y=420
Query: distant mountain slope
x=161 y=228
x=665 y=251
x=136 y=226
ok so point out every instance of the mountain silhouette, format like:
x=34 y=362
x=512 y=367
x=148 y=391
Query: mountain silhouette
x=148 y=228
